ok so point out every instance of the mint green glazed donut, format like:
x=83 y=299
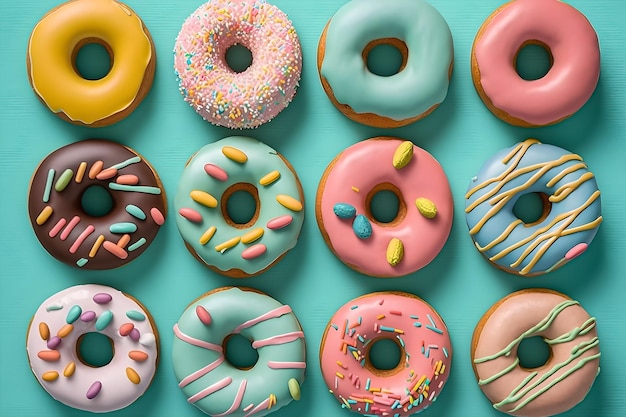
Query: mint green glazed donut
x=210 y=381
x=422 y=82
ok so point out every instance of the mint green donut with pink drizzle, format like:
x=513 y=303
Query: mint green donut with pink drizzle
x=210 y=381
x=422 y=82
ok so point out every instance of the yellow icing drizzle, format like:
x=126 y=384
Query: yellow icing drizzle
x=53 y=42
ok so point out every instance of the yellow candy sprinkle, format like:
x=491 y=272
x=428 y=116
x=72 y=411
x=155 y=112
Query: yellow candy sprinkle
x=228 y=244
x=203 y=198
x=269 y=178
x=252 y=235
x=50 y=376
x=133 y=376
x=206 y=236
x=426 y=207
x=289 y=202
x=96 y=246
x=82 y=168
x=44 y=215
x=69 y=369
x=403 y=155
x=395 y=251
x=234 y=154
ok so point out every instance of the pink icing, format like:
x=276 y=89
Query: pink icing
x=220 y=95
x=366 y=165
x=573 y=44
x=515 y=315
x=423 y=371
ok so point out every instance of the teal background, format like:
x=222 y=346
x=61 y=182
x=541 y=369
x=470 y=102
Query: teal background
x=461 y=134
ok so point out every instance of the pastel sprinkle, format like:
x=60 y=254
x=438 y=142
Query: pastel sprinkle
x=344 y=210
x=269 y=178
x=294 y=389
x=203 y=198
x=73 y=314
x=129 y=161
x=157 y=216
x=94 y=390
x=135 y=315
x=362 y=227
x=126 y=328
x=134 y=334
x=115 y=250
x=434 y=329
x=44 y=331
x=94 y=249
x=44 y=215
x=139 y=243
x=279 y=222
x=234 y=154
x=127 y=179
x=203 y=315
x=147 y=339
x=80 y=173
x=64 y=180
x=124 y=240
x=576 y=251
x=81 y=238
x=57 y=227
x=135 y=188
x=87 y=316
x=50 y=376
x=95 y=169
x=106 y=174
x=136 y=212
x=49 y=355
x=191 y=215
x=254 y=251
x=54 y=307
x=138 y=355
x=53 y=342
x=395 y=251
x=207 y=235
x=124 y=227
x=216 y=172
x=289 y=202
x=69 y=370
x=65 y=330
x=222 y=247
x=69 y=228
x=104 y=320
x=403 y=155
x=132 y=376
x=445 y=352
x=426 y=207
x=252 y=235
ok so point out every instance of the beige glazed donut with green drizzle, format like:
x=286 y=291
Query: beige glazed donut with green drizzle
x=567 y=376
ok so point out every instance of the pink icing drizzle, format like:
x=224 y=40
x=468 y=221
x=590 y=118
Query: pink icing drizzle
x=573 y=44
x=277 y=340
x=196 y=342
x=277 y=312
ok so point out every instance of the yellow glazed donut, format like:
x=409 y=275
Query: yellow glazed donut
x=54 y=44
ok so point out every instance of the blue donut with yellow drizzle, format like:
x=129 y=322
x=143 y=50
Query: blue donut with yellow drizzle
x=421 y=35
x=571 y=208
x=210 y=178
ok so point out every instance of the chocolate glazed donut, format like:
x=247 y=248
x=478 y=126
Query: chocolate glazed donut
x=90 y=237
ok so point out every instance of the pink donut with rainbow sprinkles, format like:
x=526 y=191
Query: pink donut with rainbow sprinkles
x=221 y=95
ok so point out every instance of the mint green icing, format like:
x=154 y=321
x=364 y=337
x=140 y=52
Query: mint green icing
x=262 y=159
x=423 y=82
x=229 y=308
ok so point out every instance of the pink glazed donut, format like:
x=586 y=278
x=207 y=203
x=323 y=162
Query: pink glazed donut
x=572 y=43
x=423 y=342
x=219 y=94
x=423 y=221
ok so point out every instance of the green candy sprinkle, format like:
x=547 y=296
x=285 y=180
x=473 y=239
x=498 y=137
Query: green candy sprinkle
x=104 y=320
x=64 y=180
x=135 y=211
x=135 y=315
x=73 y=314
x=123 y=228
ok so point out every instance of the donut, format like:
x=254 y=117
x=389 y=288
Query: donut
x=201 y=365
x=216 y=172
x=51 y=61
x=55 y=335
x=222 y=96
x=558 y=385
x=78 y=237
x=572 y=44
x=343 y=207
x=421 y=337
x=571 y=208
x=413 y=27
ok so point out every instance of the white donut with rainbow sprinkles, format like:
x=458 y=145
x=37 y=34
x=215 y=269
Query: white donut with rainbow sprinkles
x=221 y=95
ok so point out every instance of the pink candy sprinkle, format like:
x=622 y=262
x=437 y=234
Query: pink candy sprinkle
x=157 y=216
x=576 y=251
x=216 y=172
x=135 y=335
x=106 y=174
x=191 y=215
x=88 y=316
x=94 y=390
x=126 y=328
x=102 y=298
x=128 y=179
x=254 y=251
x=203 y=315
x=279 y=222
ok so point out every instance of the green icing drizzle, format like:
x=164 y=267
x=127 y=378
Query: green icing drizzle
x=499 y=374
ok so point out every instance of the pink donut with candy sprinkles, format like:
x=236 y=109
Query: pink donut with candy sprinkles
x=222 y=96
x=58 y=329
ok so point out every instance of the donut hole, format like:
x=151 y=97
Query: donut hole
x=96 y=201
x=385 y=57
x=384 y=205
x=239 y=352
x=92 y=59
x=384 y=356
x=239 y=58
x=533 y=352
x=532 y=208
x=240 y=205
x=95 y=349
x=533 y=60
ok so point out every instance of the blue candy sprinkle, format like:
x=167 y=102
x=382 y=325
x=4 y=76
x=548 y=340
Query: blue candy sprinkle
x=344 y=211
x=362 y=227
